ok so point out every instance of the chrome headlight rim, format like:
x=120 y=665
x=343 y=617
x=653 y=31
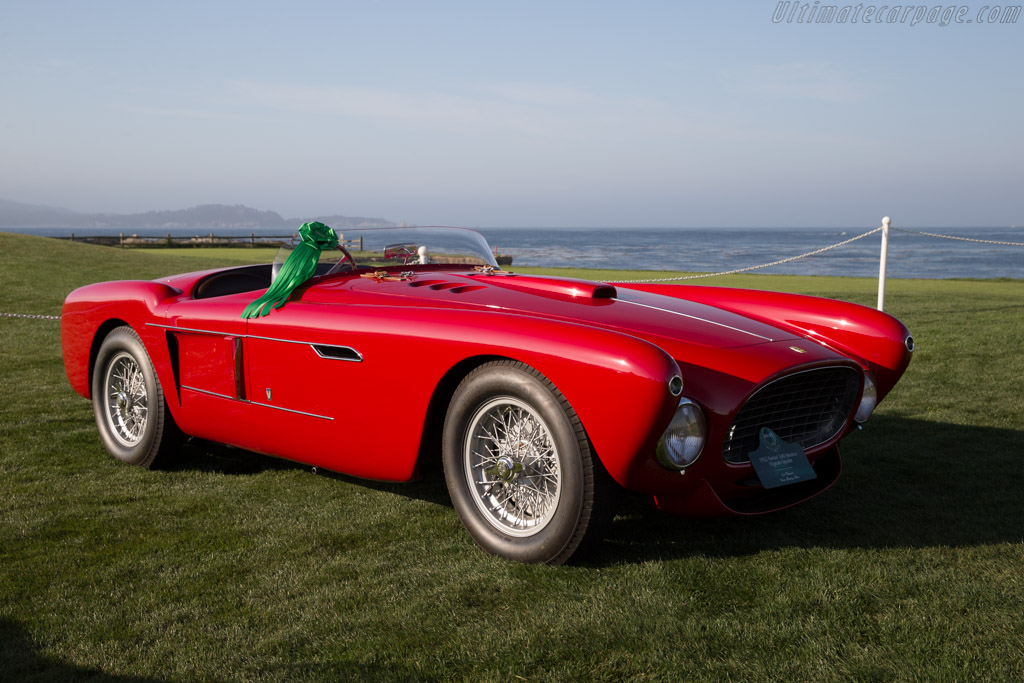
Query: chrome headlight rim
x=868 y=400
x=689 y=427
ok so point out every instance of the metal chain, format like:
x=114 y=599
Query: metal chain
x=962 y=239
x=30 y=316
x=748 y=269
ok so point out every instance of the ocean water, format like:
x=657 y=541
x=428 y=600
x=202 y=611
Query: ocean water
x=722 y=249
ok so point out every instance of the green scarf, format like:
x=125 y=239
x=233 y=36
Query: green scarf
x=299 y=267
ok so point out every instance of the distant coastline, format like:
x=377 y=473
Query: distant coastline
x=202 y=217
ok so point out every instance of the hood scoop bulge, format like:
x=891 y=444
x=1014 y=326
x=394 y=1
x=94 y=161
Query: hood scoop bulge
x=551 y=286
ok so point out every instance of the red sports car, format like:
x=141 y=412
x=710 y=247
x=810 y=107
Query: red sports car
x=540 y=395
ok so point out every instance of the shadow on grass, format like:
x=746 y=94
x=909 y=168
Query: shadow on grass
x=208 y=456
x=20 y=659
x=906 y=484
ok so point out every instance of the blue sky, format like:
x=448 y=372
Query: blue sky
x=513 y=113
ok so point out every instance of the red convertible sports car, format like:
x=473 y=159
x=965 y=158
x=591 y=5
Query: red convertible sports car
x=540 y=395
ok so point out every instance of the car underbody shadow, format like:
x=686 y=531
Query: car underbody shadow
x=906 y=483
x=428 y=486
x=208 y=456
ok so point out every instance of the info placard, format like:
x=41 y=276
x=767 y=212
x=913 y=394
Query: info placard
x=778 y=462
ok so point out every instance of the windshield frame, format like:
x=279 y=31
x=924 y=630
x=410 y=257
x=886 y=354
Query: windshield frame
x=446 y=247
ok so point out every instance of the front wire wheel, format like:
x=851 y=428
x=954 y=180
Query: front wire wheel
x=519 y=467
x=131 y=413
x=512 y=466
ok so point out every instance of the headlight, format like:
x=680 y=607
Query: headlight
x=683 y=441
x=868 y=400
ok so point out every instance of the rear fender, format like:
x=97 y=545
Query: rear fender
x=90 y=312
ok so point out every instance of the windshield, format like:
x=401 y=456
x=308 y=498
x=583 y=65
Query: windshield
x=405 y=247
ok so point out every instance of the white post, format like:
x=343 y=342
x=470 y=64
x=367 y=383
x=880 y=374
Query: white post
x=881 y=263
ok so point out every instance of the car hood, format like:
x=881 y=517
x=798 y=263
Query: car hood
x=661 y=319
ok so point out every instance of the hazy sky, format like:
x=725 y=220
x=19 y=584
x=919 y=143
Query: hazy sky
x=488 y=113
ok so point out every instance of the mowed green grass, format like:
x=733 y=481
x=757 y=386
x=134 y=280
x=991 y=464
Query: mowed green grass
x=219 y=255
x=233 y=566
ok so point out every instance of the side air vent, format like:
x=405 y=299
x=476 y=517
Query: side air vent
x=337 y=352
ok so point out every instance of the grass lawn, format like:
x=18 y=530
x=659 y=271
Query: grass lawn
x=233 y=566
x=221 y=256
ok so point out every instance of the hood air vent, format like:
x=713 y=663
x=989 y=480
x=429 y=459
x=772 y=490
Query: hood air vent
x=443 y=285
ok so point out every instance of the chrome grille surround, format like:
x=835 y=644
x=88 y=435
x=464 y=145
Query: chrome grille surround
x=809 y=407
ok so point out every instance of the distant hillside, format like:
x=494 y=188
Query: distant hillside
x=210 y=216
x=204 y=216
x=336 y=221
x=18 y=215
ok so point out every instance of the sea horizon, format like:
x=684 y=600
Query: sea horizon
x=692 y=249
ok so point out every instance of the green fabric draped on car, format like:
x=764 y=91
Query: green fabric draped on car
x=299 y=267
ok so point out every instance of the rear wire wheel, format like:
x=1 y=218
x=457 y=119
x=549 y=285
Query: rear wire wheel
x=128 y=402
x=519 y=467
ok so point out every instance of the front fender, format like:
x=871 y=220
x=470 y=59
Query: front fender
x=876 y=340
x=618 y=384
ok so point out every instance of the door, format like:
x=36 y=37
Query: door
x=304 y=374
x=206 y=339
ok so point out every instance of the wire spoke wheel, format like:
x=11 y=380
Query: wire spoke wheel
x=127 y=406
x=134 y=422
x=519 y=468
x=512 y=464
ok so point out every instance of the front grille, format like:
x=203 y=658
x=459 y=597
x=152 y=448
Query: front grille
x=807 y=408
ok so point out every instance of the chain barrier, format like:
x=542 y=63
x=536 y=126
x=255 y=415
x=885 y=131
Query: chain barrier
x=750 y=268
x=962 y=239
x=30 y=316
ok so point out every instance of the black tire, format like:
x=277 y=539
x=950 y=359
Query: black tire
x=128 y=403
x=540 y=496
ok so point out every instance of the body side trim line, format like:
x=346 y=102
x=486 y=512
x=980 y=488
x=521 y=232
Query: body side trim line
x=211 y=393
x=256 y=403
x=289 y=410
x=276 y=339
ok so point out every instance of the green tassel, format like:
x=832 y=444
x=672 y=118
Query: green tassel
x=299 y=267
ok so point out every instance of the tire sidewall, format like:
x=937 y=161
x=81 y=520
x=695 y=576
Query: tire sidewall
x=480 y=386
x=143 y=453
